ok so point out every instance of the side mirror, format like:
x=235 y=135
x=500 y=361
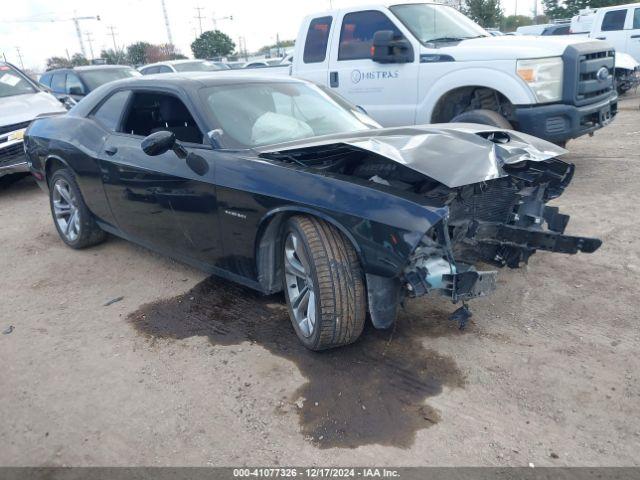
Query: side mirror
x=68 y=102
x=161 y=142
x=391 y=48
x=76 y=90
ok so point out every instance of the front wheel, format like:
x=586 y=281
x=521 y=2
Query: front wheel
x=484 y=117
x=324 y=284
x=71 y=216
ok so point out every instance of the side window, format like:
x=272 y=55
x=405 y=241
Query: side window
x=315 y=46
x=46 y=80
x=154 y=112
x=74 y=85
x=358 y=29
x=149 y=71
x=636 y=19
x=110 y=112
x=614 y=20
x=164 y=69
x=58 y=82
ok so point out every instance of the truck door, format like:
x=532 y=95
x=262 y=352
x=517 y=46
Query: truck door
x=633 y=40
x=387 y=91
x=312 y=61
x=612 y=28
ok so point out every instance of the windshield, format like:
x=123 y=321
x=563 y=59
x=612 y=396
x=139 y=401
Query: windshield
x=95 y=78
x=196 y=67
x=256 y=114
x=437 y=23
x=13 y=83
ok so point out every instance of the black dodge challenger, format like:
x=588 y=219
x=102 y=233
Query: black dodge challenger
x=282 y=185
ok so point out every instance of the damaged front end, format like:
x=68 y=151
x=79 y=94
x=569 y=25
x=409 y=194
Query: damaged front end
x=491 y=186
x=500 y=222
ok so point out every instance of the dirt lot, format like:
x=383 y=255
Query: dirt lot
x=548 y=372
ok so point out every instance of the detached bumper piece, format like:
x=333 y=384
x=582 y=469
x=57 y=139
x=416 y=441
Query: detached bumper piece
x=535 y=239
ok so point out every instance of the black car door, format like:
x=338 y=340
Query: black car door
x=160 y=201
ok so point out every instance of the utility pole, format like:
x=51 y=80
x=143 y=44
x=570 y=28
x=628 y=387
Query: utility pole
x=199 y=17
x=20 y=57
x=166 y=22
x=79 y=33
x=89 y=41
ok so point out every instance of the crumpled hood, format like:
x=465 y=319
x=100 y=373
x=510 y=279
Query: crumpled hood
x=454 y=154
x=24 y=108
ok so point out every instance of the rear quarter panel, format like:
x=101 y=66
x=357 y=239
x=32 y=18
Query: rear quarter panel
x=76 y=142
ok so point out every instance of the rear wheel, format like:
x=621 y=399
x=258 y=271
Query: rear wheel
x=324 y=284
x=484 y=117
x=73 y=220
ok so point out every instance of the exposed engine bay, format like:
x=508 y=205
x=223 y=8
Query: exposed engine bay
x=500 y=219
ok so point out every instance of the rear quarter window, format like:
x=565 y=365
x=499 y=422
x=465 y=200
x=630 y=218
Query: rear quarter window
x=315 y=45
x=110 y=112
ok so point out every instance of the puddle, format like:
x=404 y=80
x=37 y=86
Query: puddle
x=372 y=392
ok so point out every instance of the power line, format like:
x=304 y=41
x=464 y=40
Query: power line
x=199 y=17
x=89 y=41
x=20 y=57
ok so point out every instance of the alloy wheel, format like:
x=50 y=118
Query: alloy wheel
x=300 y=287
x=65 y=210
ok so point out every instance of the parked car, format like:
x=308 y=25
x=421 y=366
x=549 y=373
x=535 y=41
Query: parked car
x=544 y=29
x=279 y=184
x=418 y=63
x=79 y=81
x=21 y=100
x=173 y=66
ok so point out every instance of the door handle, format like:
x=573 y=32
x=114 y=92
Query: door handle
x=601 y=38
x=111 y=150
x=334 y=80
x=635 y=36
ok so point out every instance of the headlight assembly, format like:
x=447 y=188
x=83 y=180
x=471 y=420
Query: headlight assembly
x=544 y=76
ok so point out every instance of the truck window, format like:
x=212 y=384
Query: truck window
x=315 y=46
x=636 y=19
x=614 y=20
x=358 y=29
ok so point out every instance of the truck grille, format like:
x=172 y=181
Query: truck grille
x=590 y=84
x=16 y=126
x=11 y=155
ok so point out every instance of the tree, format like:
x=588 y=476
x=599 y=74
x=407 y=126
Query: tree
x=78 y=60
x=487 y=13
x=211 y=44
x=137 y=53
x=510 y=23
x=282 y=44
x=114 y=57
x=569 y=8
x=162 y=52
x=58 y=62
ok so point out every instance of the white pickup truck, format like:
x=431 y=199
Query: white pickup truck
x=620 y=26
x=417 y=63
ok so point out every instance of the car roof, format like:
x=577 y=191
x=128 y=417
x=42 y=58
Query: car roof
x=175 y=62
x=86 y=68
x=200 y=79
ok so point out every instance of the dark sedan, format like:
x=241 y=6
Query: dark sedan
x=281 y=185
x=80 y=81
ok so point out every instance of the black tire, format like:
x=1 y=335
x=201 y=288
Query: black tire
x=484 y=117
x=338 y=283
x=89 y=233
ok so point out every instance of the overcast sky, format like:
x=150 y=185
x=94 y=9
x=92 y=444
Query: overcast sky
x=133 y=20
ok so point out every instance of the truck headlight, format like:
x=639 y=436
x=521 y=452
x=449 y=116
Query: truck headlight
x=544 y=77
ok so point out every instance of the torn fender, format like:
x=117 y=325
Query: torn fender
x=454 y=154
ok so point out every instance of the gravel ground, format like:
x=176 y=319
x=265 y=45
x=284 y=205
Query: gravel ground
x=188 y=371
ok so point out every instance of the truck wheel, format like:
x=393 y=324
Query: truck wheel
x=324 y=284
x=73 y=220
x=484 y=117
